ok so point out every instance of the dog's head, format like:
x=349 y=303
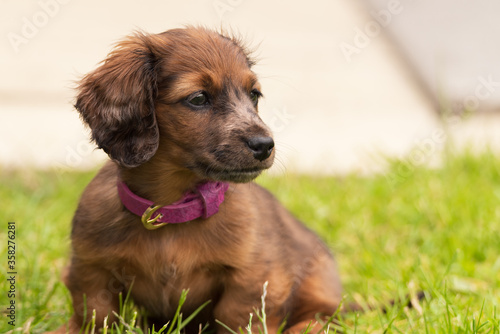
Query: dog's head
x=186 y=96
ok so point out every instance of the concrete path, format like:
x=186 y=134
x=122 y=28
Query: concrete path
x=333 y=109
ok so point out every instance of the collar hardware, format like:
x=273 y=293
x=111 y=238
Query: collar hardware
x=149 y=222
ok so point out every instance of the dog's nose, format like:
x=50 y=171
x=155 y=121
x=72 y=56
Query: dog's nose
x=261 y=147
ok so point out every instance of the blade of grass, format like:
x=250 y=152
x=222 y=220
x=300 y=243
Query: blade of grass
x=82 y=329
x=226 y=327
x=193 y=315
x=182 y=300
x=105 y=326
x=92 y=328
x=161 y=329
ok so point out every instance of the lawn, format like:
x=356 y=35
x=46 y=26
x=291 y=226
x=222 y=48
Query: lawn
x=436 y=230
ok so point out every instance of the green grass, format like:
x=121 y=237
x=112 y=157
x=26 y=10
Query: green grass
x=436 y=230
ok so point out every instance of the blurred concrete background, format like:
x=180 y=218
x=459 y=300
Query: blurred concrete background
x=346 y=82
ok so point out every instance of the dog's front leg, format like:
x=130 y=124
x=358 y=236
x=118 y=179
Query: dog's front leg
x=92 y=289
x=235 y=307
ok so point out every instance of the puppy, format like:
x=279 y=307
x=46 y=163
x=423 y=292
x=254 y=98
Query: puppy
x=174 y=209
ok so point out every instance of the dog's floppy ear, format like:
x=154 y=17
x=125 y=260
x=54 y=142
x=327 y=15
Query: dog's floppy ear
x=117 y=101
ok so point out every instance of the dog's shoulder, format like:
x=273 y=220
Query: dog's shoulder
x=101 y=191
x=99 y=205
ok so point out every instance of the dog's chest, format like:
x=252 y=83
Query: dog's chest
x=171 y=264
x=160 y=292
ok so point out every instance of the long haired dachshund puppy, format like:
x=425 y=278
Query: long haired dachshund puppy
x=174 y=209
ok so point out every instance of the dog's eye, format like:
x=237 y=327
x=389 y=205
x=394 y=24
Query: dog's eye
x=198 y=99
x=255 y=95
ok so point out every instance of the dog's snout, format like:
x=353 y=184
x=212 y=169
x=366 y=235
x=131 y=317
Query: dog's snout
x=261 y=147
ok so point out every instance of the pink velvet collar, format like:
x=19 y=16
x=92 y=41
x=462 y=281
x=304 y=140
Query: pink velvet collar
x=201 y=203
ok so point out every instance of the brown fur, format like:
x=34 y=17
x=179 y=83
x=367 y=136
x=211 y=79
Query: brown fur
x=135 y=105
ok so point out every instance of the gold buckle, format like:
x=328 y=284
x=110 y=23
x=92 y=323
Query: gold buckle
x=149 y=222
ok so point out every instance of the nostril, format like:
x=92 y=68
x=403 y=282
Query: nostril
x=261 y=147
